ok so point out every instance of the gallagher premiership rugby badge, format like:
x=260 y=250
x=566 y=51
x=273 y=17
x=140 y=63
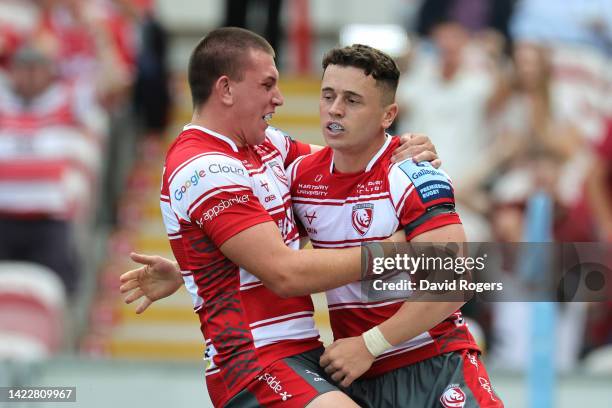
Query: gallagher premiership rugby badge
x=431 y=184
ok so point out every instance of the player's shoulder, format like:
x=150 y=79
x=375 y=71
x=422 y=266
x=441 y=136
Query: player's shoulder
x=277 y=138
x=416 y=173
x=188 y=156
x=274 y=134
x=431 y=184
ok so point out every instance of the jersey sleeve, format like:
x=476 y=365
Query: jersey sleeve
x=289 y=148
x=423 y=197
x=215 y=192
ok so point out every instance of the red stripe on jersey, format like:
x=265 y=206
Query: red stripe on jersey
x=347 y=241
x=259 y=310
x=436 y=222
x=400 y=204
x=362 y=305
x=352 y=200
x=299 y=315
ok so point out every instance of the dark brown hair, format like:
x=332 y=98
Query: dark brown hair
x=372 y=61
x=224 y=51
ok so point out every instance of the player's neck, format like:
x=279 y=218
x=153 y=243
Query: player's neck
x=356 y=160
x=217 y=122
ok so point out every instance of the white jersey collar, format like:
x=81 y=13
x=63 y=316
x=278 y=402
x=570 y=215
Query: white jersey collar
x=213 y=133
x=374 y=159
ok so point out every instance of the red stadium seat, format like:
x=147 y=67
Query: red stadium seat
x=32 y=302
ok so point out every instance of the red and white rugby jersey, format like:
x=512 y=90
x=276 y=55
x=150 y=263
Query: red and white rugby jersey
x=48 y=164
x=343 y=210
x=211 y=191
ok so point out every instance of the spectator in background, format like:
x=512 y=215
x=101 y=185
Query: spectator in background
x=445 y=96
x=599 y=196
x=93 y=41
x=481 y=17
x=49 y=159
x=578 y=22
x=249 y=14
x=599 y=186
x=151 y=93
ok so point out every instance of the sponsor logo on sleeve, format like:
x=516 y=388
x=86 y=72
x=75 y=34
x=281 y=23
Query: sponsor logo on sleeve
x=217 y=168
x=223 y=205
x=453 y=397
x=361 y=217
x=429 y=183
x=179 y=193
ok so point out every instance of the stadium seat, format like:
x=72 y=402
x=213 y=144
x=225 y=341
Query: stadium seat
x=599 y=361
x=32 y=304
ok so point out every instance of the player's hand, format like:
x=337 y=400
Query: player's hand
x=347 y=359
x=417 y=146
x=156 y=279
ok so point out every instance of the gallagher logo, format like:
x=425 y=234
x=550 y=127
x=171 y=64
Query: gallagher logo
x=362 y=217
x=453 y=397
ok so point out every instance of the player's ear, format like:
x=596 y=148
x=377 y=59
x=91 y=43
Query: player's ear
x=223 y=89
x=389 y=115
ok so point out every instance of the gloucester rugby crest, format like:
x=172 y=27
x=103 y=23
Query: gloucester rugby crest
x=453 y=397
x=362 y=217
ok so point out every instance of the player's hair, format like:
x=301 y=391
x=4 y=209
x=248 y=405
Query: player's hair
x=372 y=61
x=224 y=51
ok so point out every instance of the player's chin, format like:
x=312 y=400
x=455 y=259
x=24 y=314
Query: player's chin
x=334 y=141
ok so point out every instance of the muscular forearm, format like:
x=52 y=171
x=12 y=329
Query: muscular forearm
x=414 y=318
x=316 y=270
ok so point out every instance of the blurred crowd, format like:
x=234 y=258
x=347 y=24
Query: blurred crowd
x=516 y=95
x=79 y=80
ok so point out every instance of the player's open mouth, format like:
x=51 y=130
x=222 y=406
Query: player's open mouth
x=335 y=128
x=267 y=117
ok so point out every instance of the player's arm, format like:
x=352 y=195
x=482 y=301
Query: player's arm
x=260 y=250
x=347 y=359
x=414 y=318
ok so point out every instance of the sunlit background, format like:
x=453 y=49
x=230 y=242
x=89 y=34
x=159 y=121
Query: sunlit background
x=516 y=96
